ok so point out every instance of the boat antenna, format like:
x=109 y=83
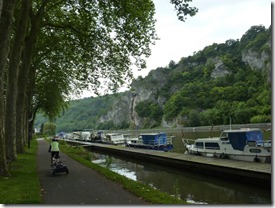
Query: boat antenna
x=230 y=123
x=210 y=135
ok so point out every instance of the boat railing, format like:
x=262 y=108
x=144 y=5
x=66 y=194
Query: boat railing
x=188 y=141
x=155 y=142
x=169 y=140
x=160 y=142
x=264 y=144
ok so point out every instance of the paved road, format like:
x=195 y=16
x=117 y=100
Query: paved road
x=83 y=186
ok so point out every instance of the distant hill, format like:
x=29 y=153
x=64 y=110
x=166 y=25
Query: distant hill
x=224 y=81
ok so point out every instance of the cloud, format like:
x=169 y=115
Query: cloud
x=216 y=22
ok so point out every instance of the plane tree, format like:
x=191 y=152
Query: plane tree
x=66 y=46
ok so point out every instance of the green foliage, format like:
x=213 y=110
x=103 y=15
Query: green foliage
x=143 y=109
x=261 y=119
x=149 y=109
x=173 y=106
x=82 y=114
x=194 y=118
x=190 y=93
x=49 y=129
x=255 y=37
x=81 y=43
x=183 y=9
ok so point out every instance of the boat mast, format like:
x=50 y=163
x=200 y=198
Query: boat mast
x=210 y=135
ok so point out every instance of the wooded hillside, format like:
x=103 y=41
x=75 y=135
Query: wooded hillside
x=221 y=82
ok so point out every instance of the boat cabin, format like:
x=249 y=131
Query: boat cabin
x=153 y=138
x=240 y=138
x=154 y=141
x=115 y=138
x=237 y=138
x=243 y=144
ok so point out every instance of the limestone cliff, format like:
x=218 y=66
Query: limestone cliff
x=259 y=60
x=148 y=88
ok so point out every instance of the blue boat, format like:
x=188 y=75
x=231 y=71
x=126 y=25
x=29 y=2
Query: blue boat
x=154 y=141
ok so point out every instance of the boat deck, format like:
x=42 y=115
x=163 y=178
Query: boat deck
x=251 y=172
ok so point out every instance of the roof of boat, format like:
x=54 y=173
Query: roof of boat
x=152 y=133
x=111 y=134
x=242 y=130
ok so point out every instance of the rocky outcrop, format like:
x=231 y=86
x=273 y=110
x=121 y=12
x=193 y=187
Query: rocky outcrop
x=148 y=88
x=259 y=60
x=120 y=111
x=220 y=69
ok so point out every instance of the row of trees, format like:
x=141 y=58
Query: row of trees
x=50 y=49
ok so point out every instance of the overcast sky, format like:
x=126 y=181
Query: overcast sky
x=216 y=22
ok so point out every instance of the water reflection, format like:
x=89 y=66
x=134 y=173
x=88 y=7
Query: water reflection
x=189 y=186
x=116 y=165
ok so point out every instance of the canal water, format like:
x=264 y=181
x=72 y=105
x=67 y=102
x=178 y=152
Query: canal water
x=190 y=186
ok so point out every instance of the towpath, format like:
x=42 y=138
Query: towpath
x=83 y=186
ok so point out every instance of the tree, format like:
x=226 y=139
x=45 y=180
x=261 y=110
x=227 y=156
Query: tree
x=172 y=64
x=49 y=129
x=7 y=10
x=69 y=45
x=251 y=34
x=12 y=145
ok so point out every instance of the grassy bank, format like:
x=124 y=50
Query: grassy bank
x=23 y=186
x=148 y=193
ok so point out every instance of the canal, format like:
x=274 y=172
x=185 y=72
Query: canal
x=190 y=186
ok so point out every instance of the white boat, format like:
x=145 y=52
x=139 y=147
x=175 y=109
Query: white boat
x=243 y=144
x=114 y=138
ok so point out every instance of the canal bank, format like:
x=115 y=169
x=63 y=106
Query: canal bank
x=258 y=174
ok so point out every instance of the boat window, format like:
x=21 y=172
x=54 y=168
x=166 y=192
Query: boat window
x=199 y=145
x=255 y=150
x=224 y=138
x=251 y=143
x=212 y=145
x=255 y=136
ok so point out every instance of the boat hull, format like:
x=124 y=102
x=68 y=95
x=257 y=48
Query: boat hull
x=246 y=155
x=152 y=147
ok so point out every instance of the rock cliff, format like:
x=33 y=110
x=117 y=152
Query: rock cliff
x=148 y=88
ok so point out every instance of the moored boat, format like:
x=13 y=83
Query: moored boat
x=154 y=141
x=114 y=138
x=242 y=144
x=97 y=136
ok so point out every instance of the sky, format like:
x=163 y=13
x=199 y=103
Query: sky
x=216 y=22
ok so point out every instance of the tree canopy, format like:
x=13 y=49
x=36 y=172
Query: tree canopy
x=50 y=49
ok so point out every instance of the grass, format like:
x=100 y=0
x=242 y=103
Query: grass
x=146 y=192
x=23 y=186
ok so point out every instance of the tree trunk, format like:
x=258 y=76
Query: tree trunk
x=1 y=5
x=7 y=11
x=12 y=88
x=26 y=80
